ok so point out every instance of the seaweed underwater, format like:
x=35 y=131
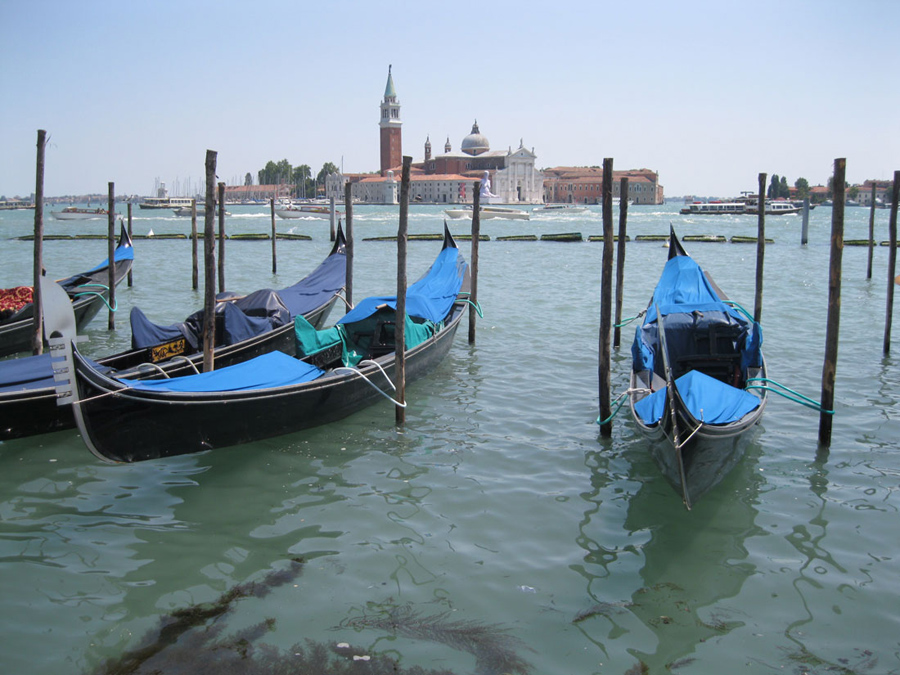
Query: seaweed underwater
x=193 y=639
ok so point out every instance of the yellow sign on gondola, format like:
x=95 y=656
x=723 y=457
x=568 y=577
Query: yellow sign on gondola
x=167 y=350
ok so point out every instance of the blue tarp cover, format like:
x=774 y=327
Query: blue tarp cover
x=31 y=372
x=429 y=298
x=707 y=398
x=683 y=287
x=326 y=280
x=691 y=308
x=275 y=369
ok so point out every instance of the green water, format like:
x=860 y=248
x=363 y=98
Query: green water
x=496 y=523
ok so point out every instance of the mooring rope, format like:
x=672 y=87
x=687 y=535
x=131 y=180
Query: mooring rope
x=372 y=384
x=99 y=295
x=791 y=395
x=619 y=401
x=628 y=321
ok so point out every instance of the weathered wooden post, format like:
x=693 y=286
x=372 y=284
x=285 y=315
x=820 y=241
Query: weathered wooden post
x=130 y=278
x=111 y=250
x=606 y=299
x=331 y=216
x=272 y=217
x=476 y=234
x=760 y=246
x=37 y=331
x=834 y=303
x=221 y=211
x=209 y=264
x=620 y=260
x=804 y=228
x=871 y=230
x=348 y=235
x=892 y=262
x=400 y=328
x=195 y=282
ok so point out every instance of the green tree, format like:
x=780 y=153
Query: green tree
x=327 y=168
x=783 y=190
x=302 y=178
x=802 y=186
x=772 y=192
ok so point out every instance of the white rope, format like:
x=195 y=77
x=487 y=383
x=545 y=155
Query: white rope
x=373 y=385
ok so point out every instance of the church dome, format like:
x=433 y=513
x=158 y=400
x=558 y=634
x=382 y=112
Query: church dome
x=475 y=143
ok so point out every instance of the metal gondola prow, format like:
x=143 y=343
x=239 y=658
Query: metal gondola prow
x=670 y=396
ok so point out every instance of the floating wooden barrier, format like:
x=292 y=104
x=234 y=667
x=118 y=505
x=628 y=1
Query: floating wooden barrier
x=294 y=237
x=564 y=236
x=468 y=237
x=748 y=240
x=713 y=238
x=599 y=237
x=251 y=236
x=884 y=243
x=651 y=237
x=518 y=237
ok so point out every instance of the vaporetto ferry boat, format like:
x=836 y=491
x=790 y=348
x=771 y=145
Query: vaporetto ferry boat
x=165 y=202
x=714 y=208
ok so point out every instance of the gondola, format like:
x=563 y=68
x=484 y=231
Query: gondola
x=336 y=372
x=246 y=327
x=88 y=292
x=692 y=359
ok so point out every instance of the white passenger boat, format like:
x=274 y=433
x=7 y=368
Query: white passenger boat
x=78 y=213
x=714 y=208
x=165 y=202
x=305 y=211
x=489 y=212
x=559 y=208
x=774 y=208
x=201 y=211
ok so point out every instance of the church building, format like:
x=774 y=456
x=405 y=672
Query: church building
x=443 y=179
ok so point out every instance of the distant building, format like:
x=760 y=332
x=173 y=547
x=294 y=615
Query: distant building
x=449 y=178
x=882 y=192
x=443 y=179
x=584 y=185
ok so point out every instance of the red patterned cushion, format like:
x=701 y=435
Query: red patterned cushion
x=14 y=299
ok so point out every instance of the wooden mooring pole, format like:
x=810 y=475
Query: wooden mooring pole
x=871 y=231
x=476 y=234
x=128 y=211
x=209 y=264
x=348 y=235
x=760 y=246
x=111 y=251
x=331 y=216
x=606 y=299
x=37 y=330
x=834 y=303
x=892 y=262
x=195 y=281
x=400 y=328
x=620 y=260
x=804 y=226
x=274 y=254
x=221 y=207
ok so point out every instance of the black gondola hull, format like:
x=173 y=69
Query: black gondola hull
x=133 y=426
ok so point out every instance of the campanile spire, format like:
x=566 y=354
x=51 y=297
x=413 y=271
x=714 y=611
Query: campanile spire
x=391 y=146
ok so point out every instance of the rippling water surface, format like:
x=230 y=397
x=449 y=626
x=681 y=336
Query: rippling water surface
x=495 y=532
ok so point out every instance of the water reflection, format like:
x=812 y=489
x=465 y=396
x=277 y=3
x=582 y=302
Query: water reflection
x=673 y=568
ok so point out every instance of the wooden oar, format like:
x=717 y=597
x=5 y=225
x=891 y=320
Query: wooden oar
x=670 y=396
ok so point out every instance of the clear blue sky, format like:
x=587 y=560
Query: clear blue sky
x=709 y=94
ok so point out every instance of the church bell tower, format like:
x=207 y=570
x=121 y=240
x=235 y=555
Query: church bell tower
x=391 y=147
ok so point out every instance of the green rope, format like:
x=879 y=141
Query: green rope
x=628 y=321
x=476 y=306
x=99 y=295
x=619 y=402
x=743 y=311
x=791 y=395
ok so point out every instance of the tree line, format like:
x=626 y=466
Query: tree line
x=300 y=178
